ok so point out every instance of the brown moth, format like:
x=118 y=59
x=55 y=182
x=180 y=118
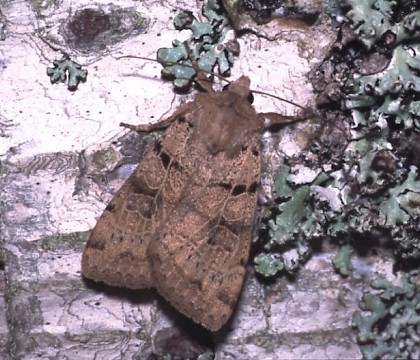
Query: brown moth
x=182 y=223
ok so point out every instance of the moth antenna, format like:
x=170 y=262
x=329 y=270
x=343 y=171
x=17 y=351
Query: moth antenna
x=172 y=63
x=196 y=68
x=279 y=98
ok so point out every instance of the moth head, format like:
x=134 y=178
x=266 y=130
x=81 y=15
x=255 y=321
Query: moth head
x=241 y=88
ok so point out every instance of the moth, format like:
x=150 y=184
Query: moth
x=182 y=223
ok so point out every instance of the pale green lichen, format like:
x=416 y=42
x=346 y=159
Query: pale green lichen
x=212 y=43
x=385 y=108
x=3 y=26
x=268 y=264
x=102 y=158
x=67 y=69
x=372 y=20
x=342 y=260
x=287 y=244
x=392 y=88
x=389 y=324
x=2 y=31
x=375 y=192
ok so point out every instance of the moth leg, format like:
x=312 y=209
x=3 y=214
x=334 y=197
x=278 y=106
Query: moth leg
x=179 y=113
x=201 y=79
x=146 y=127
x=275 y=118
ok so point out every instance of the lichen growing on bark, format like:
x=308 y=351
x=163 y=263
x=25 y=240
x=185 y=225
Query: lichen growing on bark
x=364 y=183
x=211 y=44
x=67 y=69
x=389 y=321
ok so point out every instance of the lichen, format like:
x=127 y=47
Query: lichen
x=287 y=242
x=393 y=88
x=268 y=264
x=212 y=43
x=368 y=186
x=3 y=27
x=374 y=20
x=67 y=69
x=2 y=31
x=388 y=324
x=103 y=157
x=342 y=260
x=385 y=112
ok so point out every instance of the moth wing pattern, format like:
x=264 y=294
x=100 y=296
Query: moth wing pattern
x=182 y=223
x=199 y=261
x=116 y=251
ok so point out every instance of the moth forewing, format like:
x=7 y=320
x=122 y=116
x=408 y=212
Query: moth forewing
x=182 y=223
